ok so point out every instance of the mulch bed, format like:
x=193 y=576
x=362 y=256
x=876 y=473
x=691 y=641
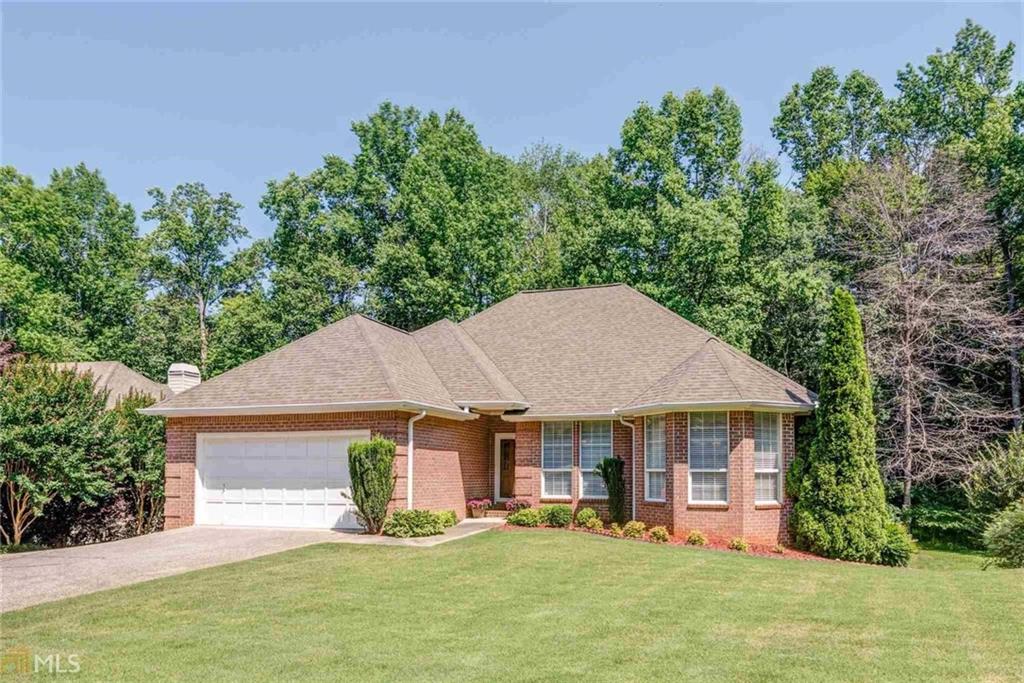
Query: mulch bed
x=719 y=544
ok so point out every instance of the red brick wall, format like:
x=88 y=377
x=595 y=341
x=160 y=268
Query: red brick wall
x=454 y=460
x=739 y=517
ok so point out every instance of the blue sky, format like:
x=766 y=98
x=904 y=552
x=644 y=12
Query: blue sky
x=234 y=95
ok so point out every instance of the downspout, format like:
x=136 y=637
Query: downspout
x=409 y=450
x=632 y=457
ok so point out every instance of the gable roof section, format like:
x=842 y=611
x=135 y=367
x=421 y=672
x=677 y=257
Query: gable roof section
x=118 y=379
x=470 y=376
x=353 y=364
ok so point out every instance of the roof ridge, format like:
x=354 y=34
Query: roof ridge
x=569 y=289
x=389 y=378
x=714 y=350
x=463 y=336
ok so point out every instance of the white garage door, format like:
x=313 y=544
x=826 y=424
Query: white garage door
x=275 y=479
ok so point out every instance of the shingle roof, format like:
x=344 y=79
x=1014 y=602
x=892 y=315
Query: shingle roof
x=118 y=379
x=574 y=352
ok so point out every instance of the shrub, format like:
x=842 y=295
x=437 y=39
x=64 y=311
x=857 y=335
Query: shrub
x=634 y=529
x=414 y=523
x=615 y=529
x=55 y=443
x=778 y=548
x=556 y=515
x=525 y=517
x=1004 y=538
x=840 y=509
x=448 y=517
x=139 y=446
x=594 y=523
x=612 y=471
x=585 y=515
x=996 y=480
x=659 y=534
x=478 y=503
x=943 y=513
x=371 y=466
x=739 y=544
x=514 y=504
x=696 y=538
x=898 y=546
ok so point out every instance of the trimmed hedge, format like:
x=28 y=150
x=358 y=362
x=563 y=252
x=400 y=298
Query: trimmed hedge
x=634 y=529
x=525 y=517
x=556 y=515
x=447 y=517
x=659 y=534
x=696 y=538
x=370 y=464
x=415 y=523
x=584 y=516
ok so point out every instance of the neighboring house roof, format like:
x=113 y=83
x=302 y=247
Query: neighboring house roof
x=118 y=379
x=575 y=353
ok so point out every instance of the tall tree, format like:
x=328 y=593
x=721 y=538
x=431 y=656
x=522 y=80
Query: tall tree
x=189 y=258
x=840 y=509
x=918 y=246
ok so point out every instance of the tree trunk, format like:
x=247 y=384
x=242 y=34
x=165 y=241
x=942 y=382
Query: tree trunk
x=1011 y=306
x=201 y=305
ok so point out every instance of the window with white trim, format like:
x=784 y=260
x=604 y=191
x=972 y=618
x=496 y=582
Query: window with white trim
x=767 y=457
x=654 y=457
x=595 y=446
x=708 y=456
x=556 y=460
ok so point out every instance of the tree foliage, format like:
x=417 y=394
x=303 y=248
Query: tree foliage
x=138 y=445
x=840 y=508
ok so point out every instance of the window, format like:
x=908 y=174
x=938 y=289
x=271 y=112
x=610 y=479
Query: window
x=709 y=457
x=556 y=460
x=595 y=446
x=654 y=457
x=767 y=457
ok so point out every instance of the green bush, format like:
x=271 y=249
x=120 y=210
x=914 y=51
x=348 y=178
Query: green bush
x=371 y=467
x=1004 y=538
x=659 y=534
x=414 y=523
x=898 y=546
x=585 y=515
x=615 y=529
x=996 y=480
x=942 y=513
x=739 y=544
x=778 y=548
x=556 y=515
x=594 y=523
x=612 y=472
x=634 y=529
x=696 y=538
x=448 y=517
x=525 y=517
x=840 y=509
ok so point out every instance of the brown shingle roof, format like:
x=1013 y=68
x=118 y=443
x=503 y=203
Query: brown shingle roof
x=118 y=379
x=574 y=352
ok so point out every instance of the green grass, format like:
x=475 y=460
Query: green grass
x=542 y=606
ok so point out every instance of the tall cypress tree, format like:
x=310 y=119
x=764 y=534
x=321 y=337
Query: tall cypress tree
x=840 y=508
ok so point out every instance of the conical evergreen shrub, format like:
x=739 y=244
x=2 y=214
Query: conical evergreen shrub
x=840 y=509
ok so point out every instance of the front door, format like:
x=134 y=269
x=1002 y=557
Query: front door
x=507 y=468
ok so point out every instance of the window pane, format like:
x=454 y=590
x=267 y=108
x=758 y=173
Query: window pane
x=593 y=486
x=655 y=486
x=766 y=441
x=654 y=451
x=766 y=486
x=709 y=441
x=557 y=483
x=708 y=487
x=557 y=445
x=595 y=444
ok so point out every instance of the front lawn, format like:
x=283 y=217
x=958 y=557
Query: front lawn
x=541 y=605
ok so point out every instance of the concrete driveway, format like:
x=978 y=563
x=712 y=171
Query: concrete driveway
x=46 y=575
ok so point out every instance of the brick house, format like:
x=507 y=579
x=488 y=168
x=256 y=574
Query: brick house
x=521 y=400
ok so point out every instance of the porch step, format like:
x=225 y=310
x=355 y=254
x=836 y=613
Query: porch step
x=496 y=513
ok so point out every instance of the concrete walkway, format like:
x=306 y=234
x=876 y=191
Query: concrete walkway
x=46 y=575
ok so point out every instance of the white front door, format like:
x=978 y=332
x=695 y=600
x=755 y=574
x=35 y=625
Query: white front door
x=276 y=479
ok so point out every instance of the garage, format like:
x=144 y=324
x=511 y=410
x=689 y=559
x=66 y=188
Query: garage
x=274 y=479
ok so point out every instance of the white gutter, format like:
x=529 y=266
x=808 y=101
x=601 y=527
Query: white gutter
x=632 y=459
x=550 y=417
x=492 y=405
x=409 y=451
x=294 y=408
x=655 y=408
